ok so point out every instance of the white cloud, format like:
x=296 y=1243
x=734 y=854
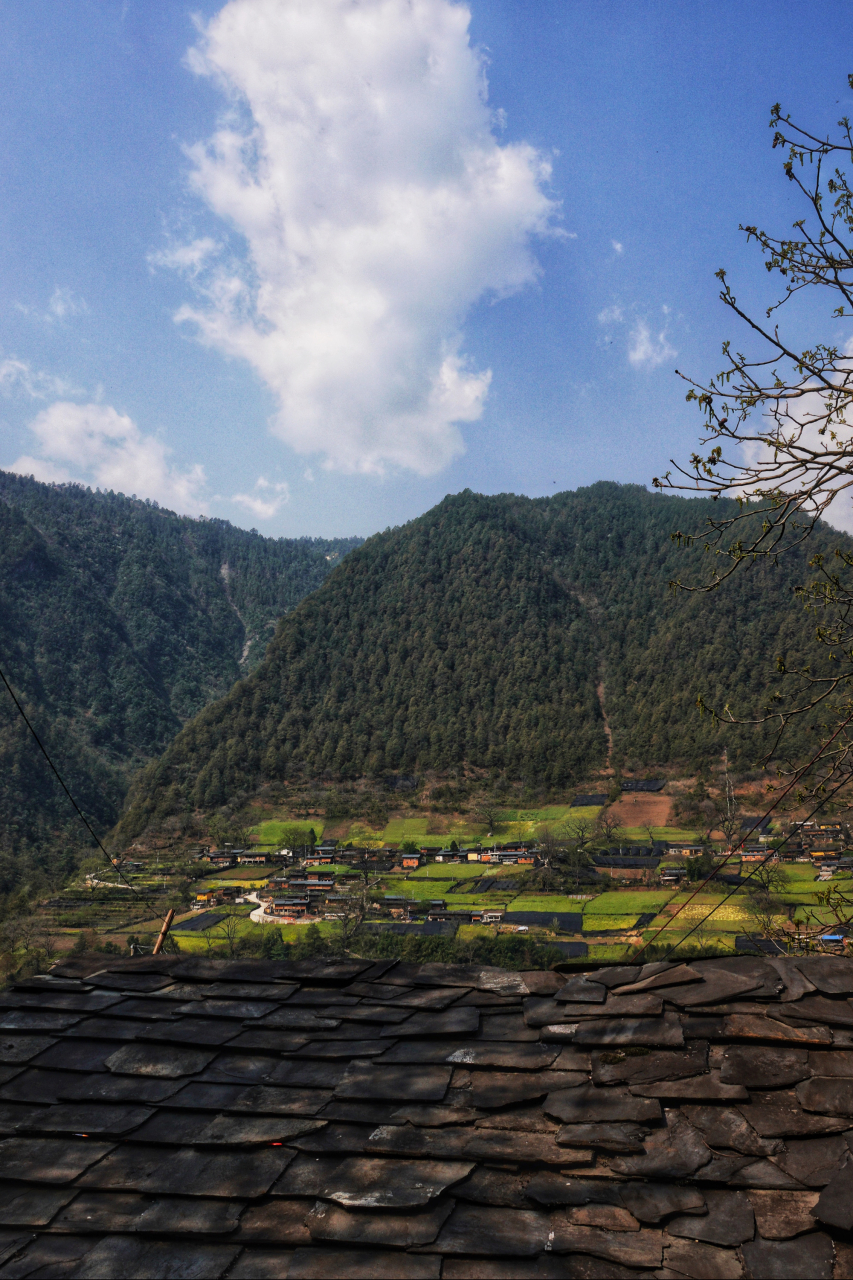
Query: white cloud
x=617 y=247
x=64 y=303
x=19 y=375
x=187 y=258
x=360 y=166
x=647 y=351
x=611 y=315
x=96 y=445
x=266 y=501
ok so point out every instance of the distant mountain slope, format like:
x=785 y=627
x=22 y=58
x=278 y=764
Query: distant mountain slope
x=118 y=622
x=478 y=634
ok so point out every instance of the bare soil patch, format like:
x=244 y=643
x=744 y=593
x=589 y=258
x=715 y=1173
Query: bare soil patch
x=643 y=808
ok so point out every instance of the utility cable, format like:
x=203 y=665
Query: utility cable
x=755 y=827
x=755 y=869
x=74 y=803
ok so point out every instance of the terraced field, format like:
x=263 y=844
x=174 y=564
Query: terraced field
x=729 y=914
x=607 y=923
x=545 y=902
x=449 y=871
x=625 y=901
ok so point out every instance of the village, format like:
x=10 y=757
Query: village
x=619 y=893
x=548 y=875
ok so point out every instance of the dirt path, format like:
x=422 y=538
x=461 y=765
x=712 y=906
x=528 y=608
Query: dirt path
x=599 y=689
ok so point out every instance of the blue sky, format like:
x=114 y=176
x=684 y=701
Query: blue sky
x=302 y=278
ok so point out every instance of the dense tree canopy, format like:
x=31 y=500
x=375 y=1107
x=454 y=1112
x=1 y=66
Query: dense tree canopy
x=478 y=635
x=118 y=622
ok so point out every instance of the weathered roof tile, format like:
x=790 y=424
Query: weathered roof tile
x=334 y=1223
x=407 y=1083
x=160 y=1171
x=340 y=1146
x=126 y=1256
x=728 y=1219
x=16 y=1049
x=810 y=1255
x=52 y=1161
x=780 y=1215
x=361 y=1264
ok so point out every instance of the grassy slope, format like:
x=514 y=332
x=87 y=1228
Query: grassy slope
x=272 y=831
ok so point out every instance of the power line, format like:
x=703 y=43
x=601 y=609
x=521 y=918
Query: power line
x=756 y=868
x=77 y=809
x=755 y=827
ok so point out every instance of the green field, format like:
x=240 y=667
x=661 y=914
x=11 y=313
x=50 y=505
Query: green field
x=641 y=836
x=806 y=895
x=417 y=890
x=272 y=831
x=798 y=870
x=588 y=813
x=515 y=823
x=608 y=951
x=193 y=943
x=591 y=923
x=449 y=871
x=620 y=902
x=542 y=902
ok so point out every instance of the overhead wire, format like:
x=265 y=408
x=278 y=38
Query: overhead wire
x=755 y=869
x=77 y=809
x=755 y=827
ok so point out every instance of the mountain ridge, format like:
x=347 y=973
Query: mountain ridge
x=115 y=629
x=475 y=637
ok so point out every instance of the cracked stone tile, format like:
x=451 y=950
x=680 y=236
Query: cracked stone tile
x=729 y=1220
x=780 y=1215
x=334 y=1223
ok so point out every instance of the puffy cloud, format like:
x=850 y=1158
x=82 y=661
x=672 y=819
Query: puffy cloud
x=95 y=444
x=359 y=165
x=267 y=499
x=646 y=351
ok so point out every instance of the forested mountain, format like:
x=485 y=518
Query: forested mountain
x=118 y=622
x=478 y=634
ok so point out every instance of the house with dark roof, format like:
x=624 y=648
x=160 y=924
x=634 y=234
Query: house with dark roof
x=626 y=868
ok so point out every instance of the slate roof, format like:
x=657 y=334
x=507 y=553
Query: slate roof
x=193 y=1118
x=618 y=860
x=571 y=921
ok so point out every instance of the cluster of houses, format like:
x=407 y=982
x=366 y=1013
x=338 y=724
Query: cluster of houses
x=307 y=891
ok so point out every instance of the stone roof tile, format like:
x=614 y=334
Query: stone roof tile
x=351 y=1118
